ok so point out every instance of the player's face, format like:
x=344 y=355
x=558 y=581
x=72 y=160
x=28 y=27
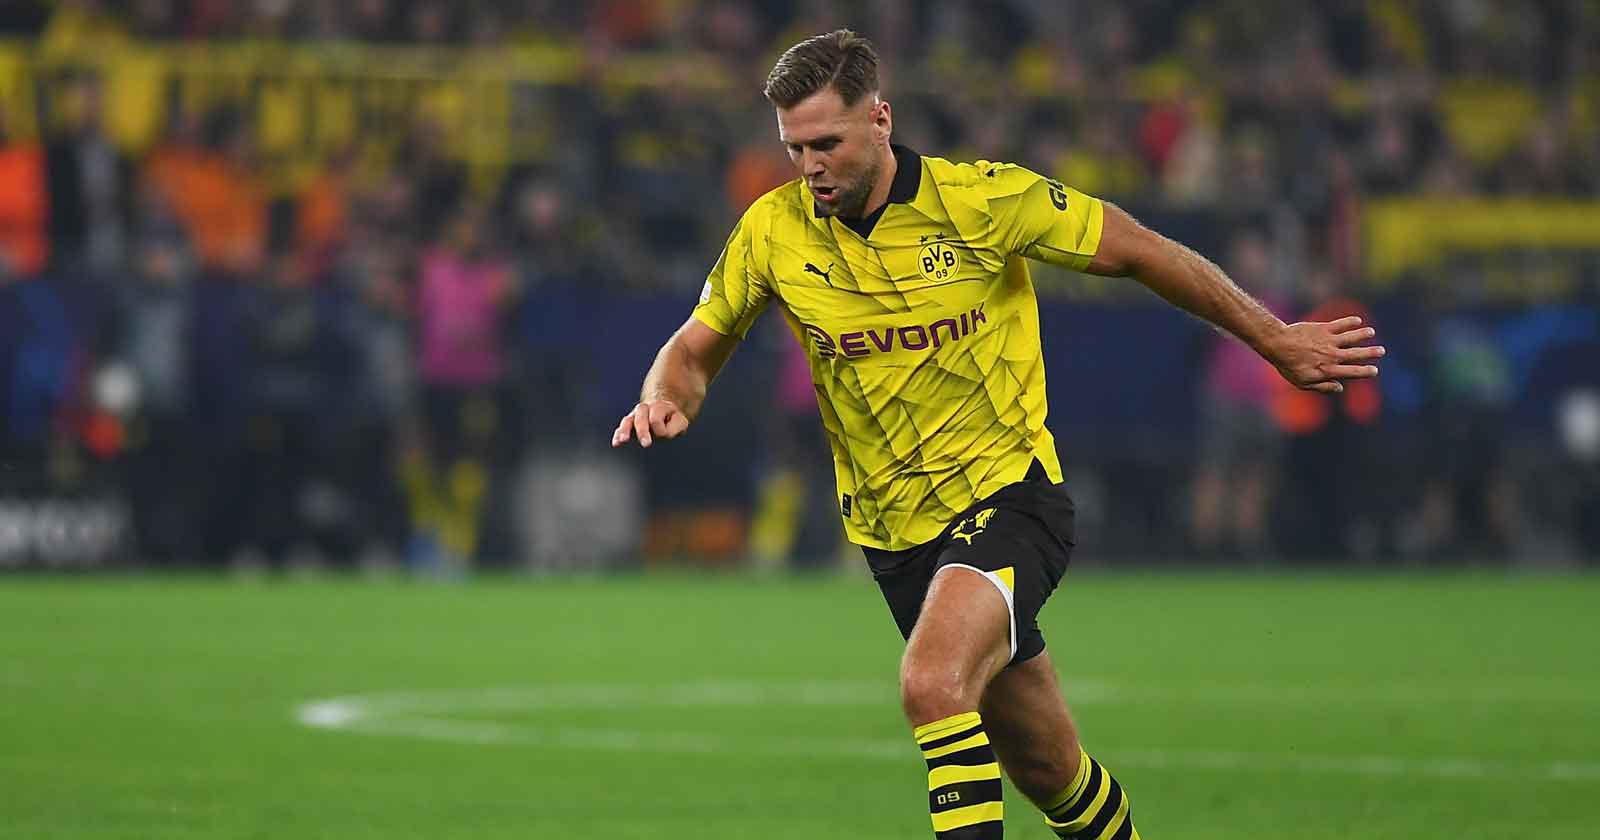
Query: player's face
x=837 y=148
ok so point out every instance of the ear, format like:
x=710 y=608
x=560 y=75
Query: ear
x=882 y=122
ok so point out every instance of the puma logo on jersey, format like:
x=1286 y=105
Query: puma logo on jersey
x=811 y=269
x=969 y=528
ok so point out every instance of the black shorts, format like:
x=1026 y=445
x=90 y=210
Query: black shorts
x=1021 y=532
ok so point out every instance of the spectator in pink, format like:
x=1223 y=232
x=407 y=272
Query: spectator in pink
x=463 y=294
x=1240 y=446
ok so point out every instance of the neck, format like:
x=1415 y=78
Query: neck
x=880 y=190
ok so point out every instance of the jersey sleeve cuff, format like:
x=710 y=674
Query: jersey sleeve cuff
x=719 y=325
x=1091 y=234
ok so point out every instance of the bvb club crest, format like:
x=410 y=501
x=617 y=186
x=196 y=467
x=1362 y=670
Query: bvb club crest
x=938 y=262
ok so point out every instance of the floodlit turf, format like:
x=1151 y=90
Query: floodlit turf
x=1462 y=706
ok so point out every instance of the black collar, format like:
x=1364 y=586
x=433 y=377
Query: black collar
x=907 y=180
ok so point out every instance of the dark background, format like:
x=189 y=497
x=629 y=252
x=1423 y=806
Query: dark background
x=232 y=233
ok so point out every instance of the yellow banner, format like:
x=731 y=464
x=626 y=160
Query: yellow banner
x=303 y=102
x=1415 y=233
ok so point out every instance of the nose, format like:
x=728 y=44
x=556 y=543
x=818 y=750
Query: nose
x=811 y=164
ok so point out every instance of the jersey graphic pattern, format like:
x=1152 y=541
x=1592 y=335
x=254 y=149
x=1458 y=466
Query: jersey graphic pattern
x=923 y=338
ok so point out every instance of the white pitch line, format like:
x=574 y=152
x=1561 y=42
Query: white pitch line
x=426 y=715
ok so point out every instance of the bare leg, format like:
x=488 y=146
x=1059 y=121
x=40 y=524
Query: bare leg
x=1031 y=730
x=1036 y=743
x=1250 y=508
x=1206 y=508
x=962 y=639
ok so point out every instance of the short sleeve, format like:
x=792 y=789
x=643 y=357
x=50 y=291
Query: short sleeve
x=1041 y=218
x=737 y=290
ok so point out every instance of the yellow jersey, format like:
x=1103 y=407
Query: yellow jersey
x=921 y=328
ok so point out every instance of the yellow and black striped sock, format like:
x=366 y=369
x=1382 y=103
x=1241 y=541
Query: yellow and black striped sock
x=963 y=779
x=1093 y=807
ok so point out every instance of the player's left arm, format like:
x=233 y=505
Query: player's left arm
x=1311 y=355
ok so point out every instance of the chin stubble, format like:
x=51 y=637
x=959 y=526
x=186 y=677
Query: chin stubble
x=851 y=204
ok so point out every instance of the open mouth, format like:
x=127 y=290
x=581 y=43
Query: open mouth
x=824 y=193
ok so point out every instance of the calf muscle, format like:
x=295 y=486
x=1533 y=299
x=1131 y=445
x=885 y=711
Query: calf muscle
x=1032 y=732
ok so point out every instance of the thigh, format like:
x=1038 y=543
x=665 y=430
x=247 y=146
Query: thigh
x=961 y=640
x=1030 y=728
x=956 y=626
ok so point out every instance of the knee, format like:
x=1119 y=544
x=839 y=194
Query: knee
x=928 y=694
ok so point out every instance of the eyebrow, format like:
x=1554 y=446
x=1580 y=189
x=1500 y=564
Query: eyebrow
x=826 y=138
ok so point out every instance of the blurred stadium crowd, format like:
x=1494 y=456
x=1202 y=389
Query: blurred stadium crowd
x=283 y=280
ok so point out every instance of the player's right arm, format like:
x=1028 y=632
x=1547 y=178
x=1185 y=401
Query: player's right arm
x=735 y=293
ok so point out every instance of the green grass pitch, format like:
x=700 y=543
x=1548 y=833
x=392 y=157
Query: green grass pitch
x=1230 y=706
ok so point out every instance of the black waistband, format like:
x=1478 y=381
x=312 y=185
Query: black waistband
x=882 y=557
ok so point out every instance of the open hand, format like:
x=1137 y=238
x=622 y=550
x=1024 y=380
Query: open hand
x=1317 y=356
x=648 y=420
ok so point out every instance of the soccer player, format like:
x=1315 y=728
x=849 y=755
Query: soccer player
x=905 y=278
